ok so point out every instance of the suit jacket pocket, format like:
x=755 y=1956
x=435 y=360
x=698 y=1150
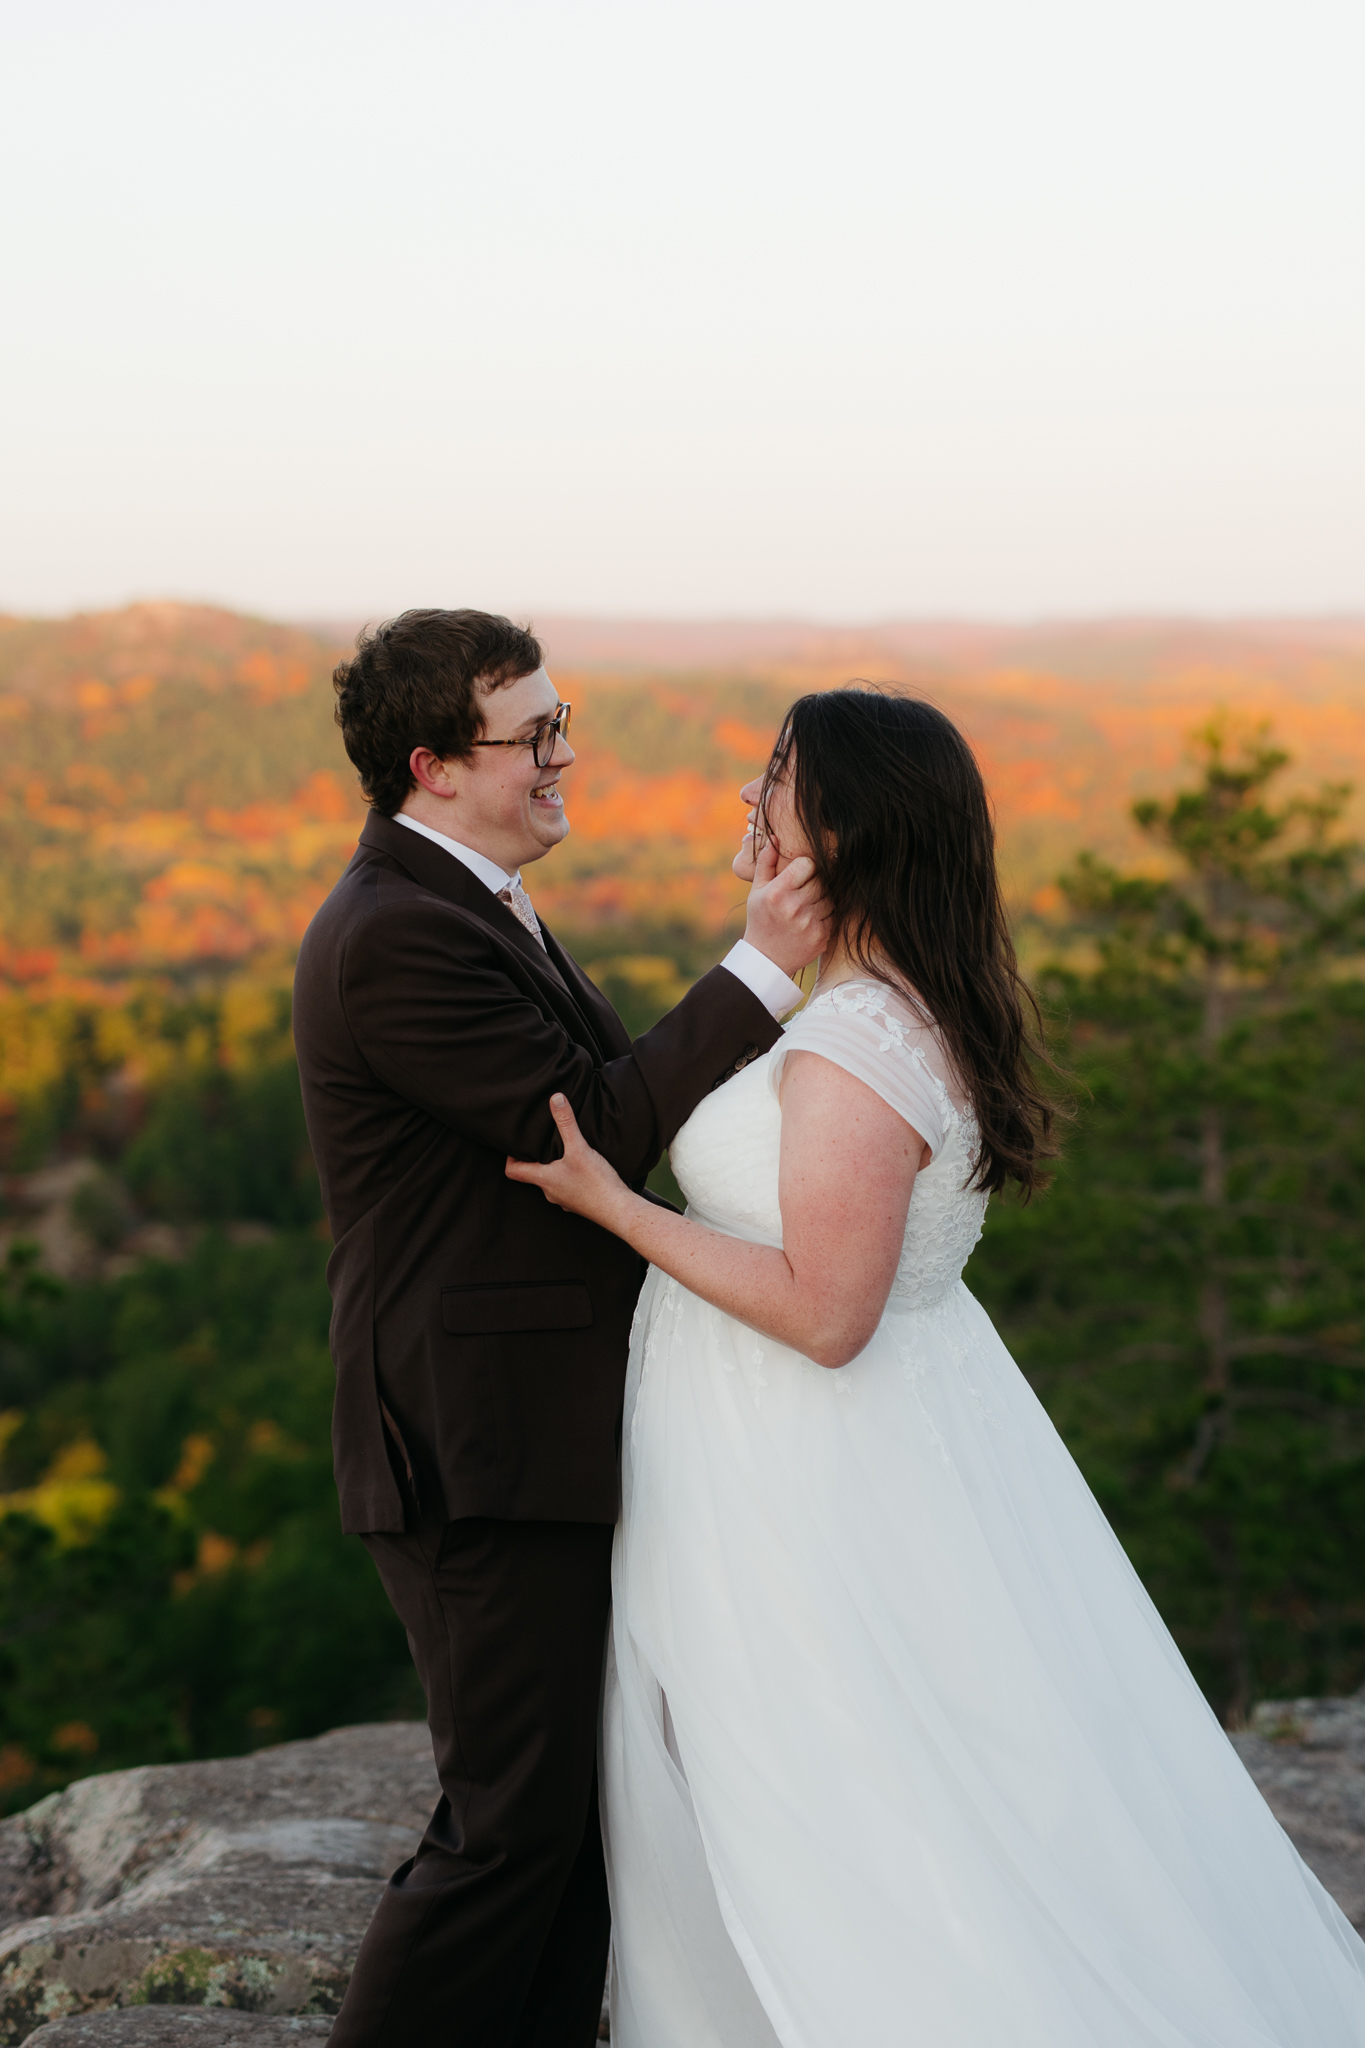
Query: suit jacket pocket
x=486 y=1311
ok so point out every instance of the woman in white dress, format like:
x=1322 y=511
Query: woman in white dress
x=896 y=1747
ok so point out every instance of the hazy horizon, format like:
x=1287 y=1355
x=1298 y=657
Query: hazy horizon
x=1347 y=618
x=1233 y=655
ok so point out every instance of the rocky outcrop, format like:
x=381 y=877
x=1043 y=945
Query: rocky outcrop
x=1308 y=1757
x=223 y=1903
x=241 y=1887
x=178 y=2027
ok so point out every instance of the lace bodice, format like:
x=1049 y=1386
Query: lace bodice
x=726 y=1155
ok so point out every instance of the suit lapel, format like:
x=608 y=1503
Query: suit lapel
x=445 y=875
x=607 y=1027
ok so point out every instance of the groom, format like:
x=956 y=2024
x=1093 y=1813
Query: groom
x=479 y=1334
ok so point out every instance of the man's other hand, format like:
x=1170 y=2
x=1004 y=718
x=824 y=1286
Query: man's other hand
x=788 y=917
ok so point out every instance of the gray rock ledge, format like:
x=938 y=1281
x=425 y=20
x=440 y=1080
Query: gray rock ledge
x=239 y=1886
x=1308 y=1757
x=178 y=2027
x=188 y=1905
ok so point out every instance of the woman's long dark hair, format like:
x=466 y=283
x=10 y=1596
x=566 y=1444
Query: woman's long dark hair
x=891 y=800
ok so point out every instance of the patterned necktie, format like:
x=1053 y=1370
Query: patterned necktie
x=519 y=903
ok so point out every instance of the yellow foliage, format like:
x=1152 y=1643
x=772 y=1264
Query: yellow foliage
x=78 y=1461
x=71 y=1498
x=651 y=975
x=116 y=1036
x=33 y=1048
x=250 y=1012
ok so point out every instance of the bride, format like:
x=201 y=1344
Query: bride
x=896 y=1748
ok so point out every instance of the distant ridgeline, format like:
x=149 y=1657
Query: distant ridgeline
x=1189 y=1299
x=175 y=800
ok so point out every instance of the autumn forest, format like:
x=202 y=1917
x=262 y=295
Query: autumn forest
x=1178 y=816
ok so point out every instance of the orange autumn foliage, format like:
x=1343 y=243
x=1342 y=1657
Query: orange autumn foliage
x=175 y=801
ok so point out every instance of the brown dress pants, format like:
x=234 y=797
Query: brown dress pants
x=494 y=1935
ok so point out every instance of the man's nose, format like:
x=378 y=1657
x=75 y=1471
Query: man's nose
x=563 y=754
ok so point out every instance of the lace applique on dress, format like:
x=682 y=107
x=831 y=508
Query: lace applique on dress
x=669 y=1303
x=921 y=1345
x=946 y=1212
x=892 y=1034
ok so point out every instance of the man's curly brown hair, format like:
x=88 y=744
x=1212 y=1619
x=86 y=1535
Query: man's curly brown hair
x=415 y=682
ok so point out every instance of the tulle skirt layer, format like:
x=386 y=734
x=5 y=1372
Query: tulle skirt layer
x=896 y=1747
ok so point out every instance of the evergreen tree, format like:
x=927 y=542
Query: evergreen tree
x=1189 y=1301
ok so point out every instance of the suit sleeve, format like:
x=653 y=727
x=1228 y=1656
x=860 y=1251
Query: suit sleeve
x=446 y=1021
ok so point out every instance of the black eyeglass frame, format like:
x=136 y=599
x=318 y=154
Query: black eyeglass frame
x=557 y=727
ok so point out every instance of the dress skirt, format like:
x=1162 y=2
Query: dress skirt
x=897 y=1748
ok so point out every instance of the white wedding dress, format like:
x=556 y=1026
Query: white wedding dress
x=896 y=1748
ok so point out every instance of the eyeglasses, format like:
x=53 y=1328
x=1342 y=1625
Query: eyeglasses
x=542 y=740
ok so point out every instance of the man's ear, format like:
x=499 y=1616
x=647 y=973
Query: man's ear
x=430 y=772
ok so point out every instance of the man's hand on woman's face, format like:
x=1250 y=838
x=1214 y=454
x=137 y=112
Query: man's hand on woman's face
x=788 y=916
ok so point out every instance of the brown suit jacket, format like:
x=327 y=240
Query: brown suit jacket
x=431 y=1032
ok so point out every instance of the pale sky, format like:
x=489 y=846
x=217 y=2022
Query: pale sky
x=831 y=308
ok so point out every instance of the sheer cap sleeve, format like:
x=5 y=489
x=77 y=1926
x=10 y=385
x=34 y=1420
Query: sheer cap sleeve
x=881 y=1037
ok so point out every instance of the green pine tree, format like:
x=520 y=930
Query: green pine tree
x=1189 y=1300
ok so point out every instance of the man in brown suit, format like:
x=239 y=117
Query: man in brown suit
x=479 y=1334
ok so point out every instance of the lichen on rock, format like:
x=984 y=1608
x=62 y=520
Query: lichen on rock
x=240 y=1886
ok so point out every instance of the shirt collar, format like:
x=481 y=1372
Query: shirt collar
x=487 y=871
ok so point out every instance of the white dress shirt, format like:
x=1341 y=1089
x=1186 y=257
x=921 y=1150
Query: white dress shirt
x=489 y=873
x=777 y=992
